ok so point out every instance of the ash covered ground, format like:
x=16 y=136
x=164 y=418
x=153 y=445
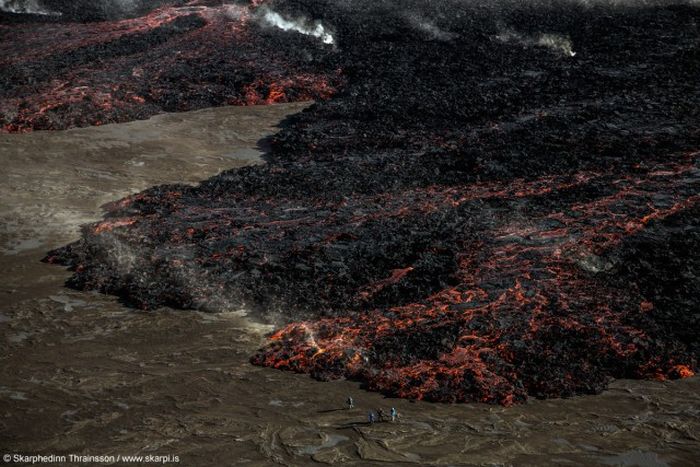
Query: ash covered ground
x=498 y=201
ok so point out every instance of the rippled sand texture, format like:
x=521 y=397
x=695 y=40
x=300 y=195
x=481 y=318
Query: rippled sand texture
x=82 y=374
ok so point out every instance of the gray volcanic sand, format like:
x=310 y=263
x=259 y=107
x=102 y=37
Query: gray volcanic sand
x=81 y=374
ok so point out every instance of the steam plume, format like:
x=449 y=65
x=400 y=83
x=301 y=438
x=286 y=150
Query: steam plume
x=317 y=30
x=557 y=43
x=24 y=7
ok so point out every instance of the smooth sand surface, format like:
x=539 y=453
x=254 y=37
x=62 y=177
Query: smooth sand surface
x=82 y=374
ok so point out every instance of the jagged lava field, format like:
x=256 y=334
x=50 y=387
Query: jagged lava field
x=488 y=201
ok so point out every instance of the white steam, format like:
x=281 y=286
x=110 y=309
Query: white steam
x=24 y=7
x=298 y=25
x=555 y=42
x=432 y=30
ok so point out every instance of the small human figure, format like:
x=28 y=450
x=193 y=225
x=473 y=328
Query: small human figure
x=394 y=414
x=351 y=403
x=370 y=417
x=380 y=415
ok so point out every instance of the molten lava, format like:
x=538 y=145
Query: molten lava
x=174 y=58
x=465 y=219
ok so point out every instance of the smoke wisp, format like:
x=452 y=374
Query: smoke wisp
x=555 y=42
x=25 y=7
x=273 y=18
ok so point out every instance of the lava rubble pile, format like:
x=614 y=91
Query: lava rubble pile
x=481 y=212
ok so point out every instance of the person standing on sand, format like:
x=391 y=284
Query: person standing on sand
x=370 y=417
x=393 y=414
x=351 y=403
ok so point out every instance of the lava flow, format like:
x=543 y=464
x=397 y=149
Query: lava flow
x=467 y=218
x=57 y=74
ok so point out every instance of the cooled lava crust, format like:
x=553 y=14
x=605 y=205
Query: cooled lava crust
x=498 y=202
x=58 y=73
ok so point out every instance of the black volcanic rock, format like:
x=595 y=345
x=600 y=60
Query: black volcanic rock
x=101 y=10
x=478 y=214
x=56 y=73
